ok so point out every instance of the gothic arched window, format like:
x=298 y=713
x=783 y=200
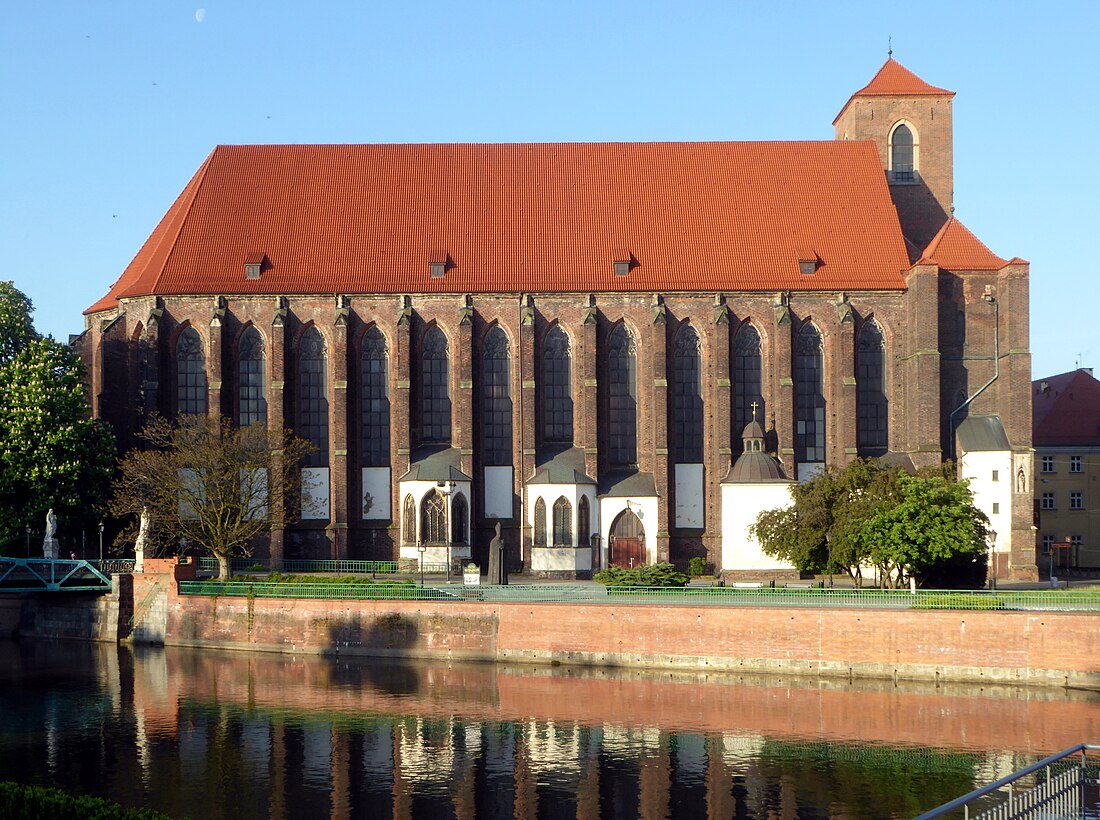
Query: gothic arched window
x=433 y=519
x=622 y=395
x=902 y=154
x=809 y=368
x=872 y=421
x=563 y=523
x=435 y=402
x=190 y=373
x=496 y=399
x=409 y=520
x=251 y=396
x=313 y=396
x=748 y=365
x=375 y=402
x=687 y=398
x=459 y=511
x=540 y=523
x=555 y=386
x=584 y=522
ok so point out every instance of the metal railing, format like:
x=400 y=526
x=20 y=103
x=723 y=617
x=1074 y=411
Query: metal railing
x=50 y=575
x=209 y=564
x=1060 y=786
x=113 y=566
x=1040 y=600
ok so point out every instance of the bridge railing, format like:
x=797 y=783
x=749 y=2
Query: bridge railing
x=1062 y=785
x=47 y=575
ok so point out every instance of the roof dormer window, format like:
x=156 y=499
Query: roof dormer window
x=624 y=264
x=254 y=264
x=808 y=262
x=439 y=263
x=437 y=269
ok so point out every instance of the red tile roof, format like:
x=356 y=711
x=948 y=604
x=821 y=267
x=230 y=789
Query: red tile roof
x=895 y=80
x=1065 y=410
x=955 y=248
x=526 y=217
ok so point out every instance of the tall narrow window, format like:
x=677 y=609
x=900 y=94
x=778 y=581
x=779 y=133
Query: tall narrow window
x=313 y=396
x=435 y=403
x=409 y=520
x=496 y=399
x=622 y=405
x=540 y=523
x=555 y=386
x=563 y=523
x=459 y=514
x=433 y=519
x=747 y=383
x=809 y=397
x=190 y=373
x=687 y=398
x=872 y=424
x=584 y=522
x=251 y=398
x=374 y=378
x=902 y=155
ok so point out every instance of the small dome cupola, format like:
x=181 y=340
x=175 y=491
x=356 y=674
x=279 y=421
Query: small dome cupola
x=754 y=465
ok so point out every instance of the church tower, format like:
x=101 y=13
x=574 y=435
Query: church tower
x=910 y=121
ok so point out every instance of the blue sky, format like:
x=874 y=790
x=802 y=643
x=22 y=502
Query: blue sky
x=110 y=107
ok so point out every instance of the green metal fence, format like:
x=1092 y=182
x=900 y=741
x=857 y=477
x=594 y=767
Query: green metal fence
x=1040 y=600
x=208 y=564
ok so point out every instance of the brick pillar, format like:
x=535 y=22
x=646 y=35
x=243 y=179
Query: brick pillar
x=717 y=404
x=276 y=421
x=214 y=357
x=843 y=417
x=783 y=398
x=528 y=435
x=586 y=415
x=921 y=369
x=462 y=408
x=658 y=344
x=400 y=426
x=338 y=436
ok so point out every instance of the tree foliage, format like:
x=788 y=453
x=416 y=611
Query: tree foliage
x=51 y=453
x=869 y=515
x=210 y=485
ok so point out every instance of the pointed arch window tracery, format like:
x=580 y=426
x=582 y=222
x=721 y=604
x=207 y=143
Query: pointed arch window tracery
x=687 y=397
x=496 y=399
x=747 y=381
x=375 y=402
x=872 y=417
x=251 y=395
x=435 y=403
x=190 y=373
x=809 y=396
x=622 y=393
x=313 y=396
x=563 y=523
x=555 y=387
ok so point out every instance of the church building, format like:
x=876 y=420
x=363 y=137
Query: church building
x=580 y=340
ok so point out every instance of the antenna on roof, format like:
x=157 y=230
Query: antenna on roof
x=890 y=46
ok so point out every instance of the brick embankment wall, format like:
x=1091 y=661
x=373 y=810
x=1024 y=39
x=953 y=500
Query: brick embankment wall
x=1061 y=649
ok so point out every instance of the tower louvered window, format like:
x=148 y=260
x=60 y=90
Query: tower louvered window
x=190 y=373
x=622 y=394
x=251 y=398
x=809 y=397
x=496 y=399
x=687 y=398
x=374 y=381
x=872 y=420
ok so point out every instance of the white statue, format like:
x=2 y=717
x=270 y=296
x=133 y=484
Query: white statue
x=142 y=540
x=49 y=543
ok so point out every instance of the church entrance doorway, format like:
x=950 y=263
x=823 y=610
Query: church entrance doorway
x=627 y=541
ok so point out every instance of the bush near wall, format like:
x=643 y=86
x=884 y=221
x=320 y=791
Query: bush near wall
x=20 y=802
x=645 y=575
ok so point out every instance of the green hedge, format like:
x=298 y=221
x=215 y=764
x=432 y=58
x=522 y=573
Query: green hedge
x=645 y=575
x=280 y=578
x=19 y=802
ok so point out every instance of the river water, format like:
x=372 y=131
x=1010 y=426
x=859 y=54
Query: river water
x=206 y=734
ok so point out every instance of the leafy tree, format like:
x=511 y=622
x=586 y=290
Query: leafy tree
x=826 y=527
x=210 y=485
x=51 y=453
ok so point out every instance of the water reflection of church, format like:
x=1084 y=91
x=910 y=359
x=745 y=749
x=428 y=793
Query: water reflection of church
x=571 y=339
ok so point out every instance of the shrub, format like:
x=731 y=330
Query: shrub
x=957 y=601
x=341 y=580
x=698 y=566
x=40 y=803
x=646 y=575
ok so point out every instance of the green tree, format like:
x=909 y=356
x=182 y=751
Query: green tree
x=826 y=527
x=212 y=485
x=51 y=453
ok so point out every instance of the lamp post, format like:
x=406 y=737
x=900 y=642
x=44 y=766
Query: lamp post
x=446 y=490
x=422 y=548
x=28 y=541
x=101 y=542
x=992 y=559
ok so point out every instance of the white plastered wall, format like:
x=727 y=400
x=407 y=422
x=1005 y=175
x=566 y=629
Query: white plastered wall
x=979 y=467
x=645 y=507
x=433 y=554
x=741 y=504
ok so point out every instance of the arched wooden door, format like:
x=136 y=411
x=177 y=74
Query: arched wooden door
x=627 y=541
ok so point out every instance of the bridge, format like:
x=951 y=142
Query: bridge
x=45 y=575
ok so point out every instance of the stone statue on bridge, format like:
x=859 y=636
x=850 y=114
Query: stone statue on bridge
x=142 y=541
x=49 y=543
